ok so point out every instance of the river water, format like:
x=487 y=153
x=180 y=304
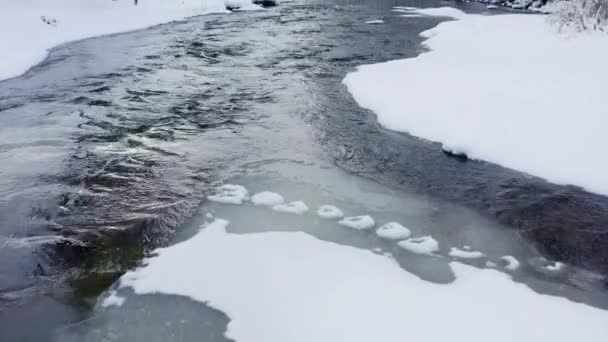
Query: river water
x=112 y=144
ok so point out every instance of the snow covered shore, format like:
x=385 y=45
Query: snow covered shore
x=29 y=28
x=506 y=89
x=298 y=288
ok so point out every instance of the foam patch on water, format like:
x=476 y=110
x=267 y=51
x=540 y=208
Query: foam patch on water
x=230 y=194
x=465 y=253
x=330 y=212
x=290 y=286
x=393 y=231
x=420 y=245
x=267 y=198
x=511 y=263
x=375 y=22
x=296 y=207
x=358 y=222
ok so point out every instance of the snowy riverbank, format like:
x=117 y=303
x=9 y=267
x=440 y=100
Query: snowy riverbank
x=506 y=89
x=29 y=28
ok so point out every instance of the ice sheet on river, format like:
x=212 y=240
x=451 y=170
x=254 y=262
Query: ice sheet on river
x=290 y=286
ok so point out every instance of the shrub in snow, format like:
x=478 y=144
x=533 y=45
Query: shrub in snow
x=580 y=15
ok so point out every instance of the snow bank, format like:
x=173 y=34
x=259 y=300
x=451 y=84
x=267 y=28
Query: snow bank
x=29 y=28
x=290 y=286
x=504 y=88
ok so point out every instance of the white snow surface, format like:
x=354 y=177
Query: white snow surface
x=420 y=245
x=296 y=207
x=358 y=222
x=230 y=194
x=507 y=89
x=290 y=286
x=465 y=254
x=267 y=198
x=25 y=38
x=330 y=212
x=393 y=231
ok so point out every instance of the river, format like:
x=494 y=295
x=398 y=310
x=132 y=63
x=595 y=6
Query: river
x=111 y=145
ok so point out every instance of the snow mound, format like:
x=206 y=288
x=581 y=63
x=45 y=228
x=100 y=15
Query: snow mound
x=298 y=288
x=511 y=263
x=297 y=207
x=267 y=198
x=329 y=212
x=465 y=254
x=377 y=21
x=420 y=245
x=230 y=194
x=358 y=222
x=531 y=91
x=393 y=231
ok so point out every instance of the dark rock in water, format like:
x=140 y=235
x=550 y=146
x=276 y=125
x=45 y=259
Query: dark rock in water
x=266 y=3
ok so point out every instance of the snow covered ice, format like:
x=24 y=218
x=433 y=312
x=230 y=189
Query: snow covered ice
x=290 y=286
x=507 y=89
x=420 y=245
x=230 y=194
x=358 y=222
x=330 y=212
x=267 y=198
x=296 y=207
x=393 y=231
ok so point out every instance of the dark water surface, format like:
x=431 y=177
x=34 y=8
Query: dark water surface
x=109 y=147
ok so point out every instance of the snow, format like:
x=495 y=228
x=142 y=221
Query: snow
x=290 y=286
x=358 y=222
x=113 y=299
x=296 y=207
x=29 y=28
x=377 y=21
x=267 y=198
x=465 y=254
x=507 y=89
x=420 y=245
x=230 y=194
x=511 y=263
x=393 y=231
x=329 y=212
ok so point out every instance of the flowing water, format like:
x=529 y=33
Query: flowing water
x=110 y=147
